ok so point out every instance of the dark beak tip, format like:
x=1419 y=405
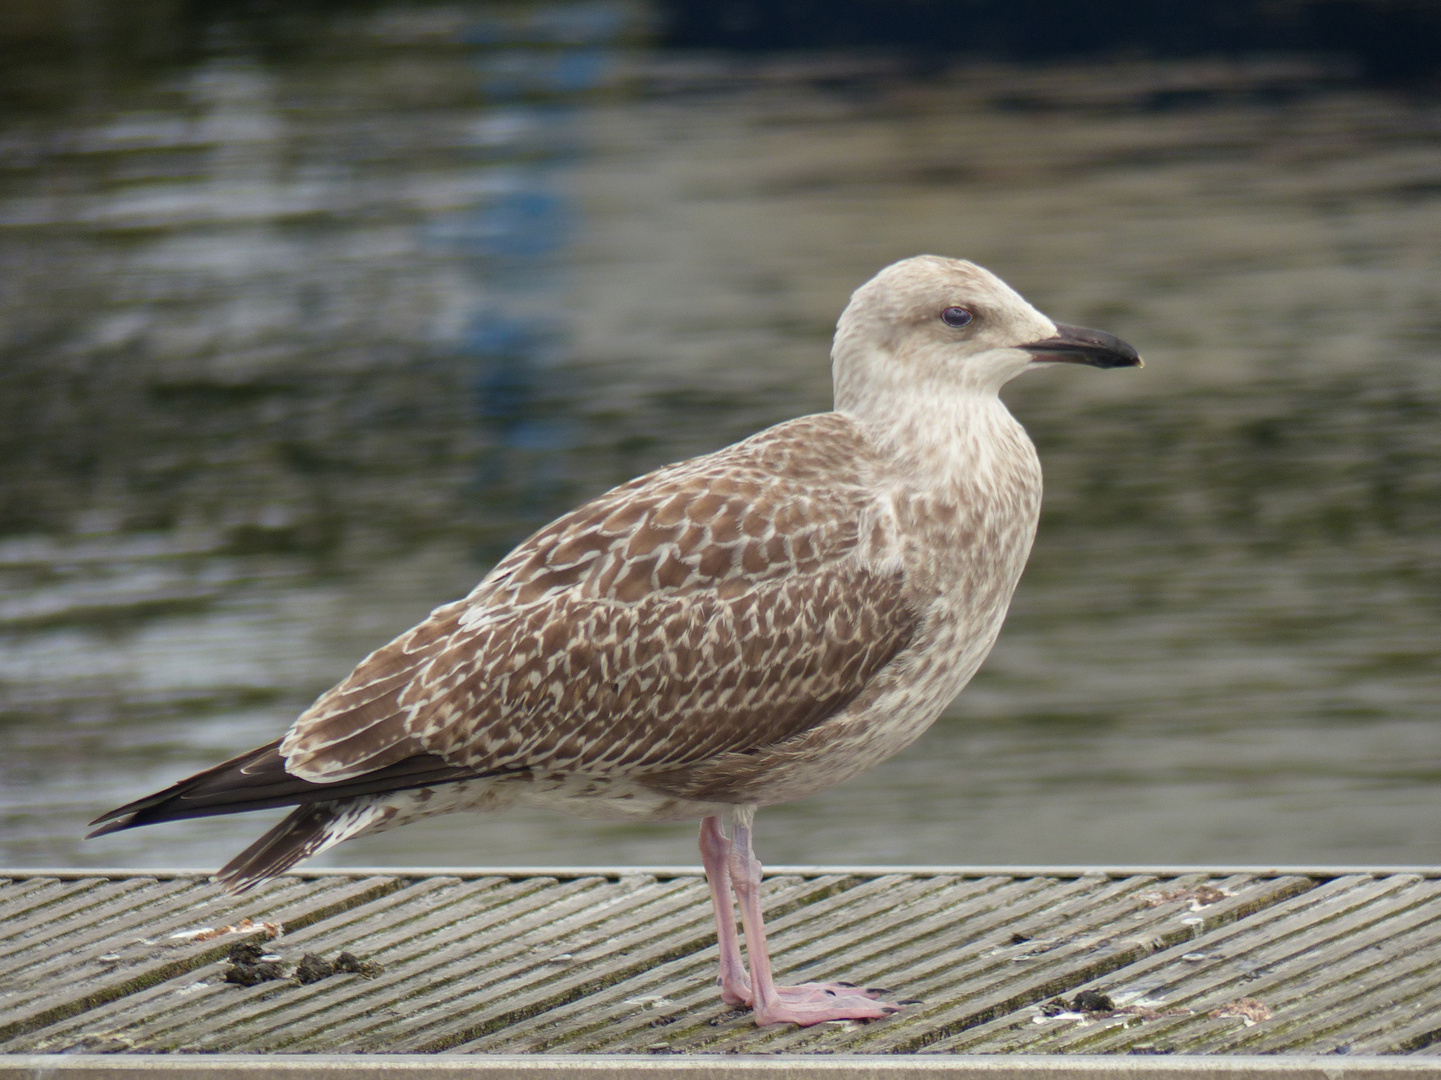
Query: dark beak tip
x=1078 y=345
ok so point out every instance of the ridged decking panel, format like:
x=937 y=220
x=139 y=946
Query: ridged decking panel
x=624 y=962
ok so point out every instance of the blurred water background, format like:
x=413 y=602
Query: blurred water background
x=310 y=311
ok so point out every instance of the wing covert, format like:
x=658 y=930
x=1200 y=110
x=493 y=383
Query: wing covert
x=721 y=604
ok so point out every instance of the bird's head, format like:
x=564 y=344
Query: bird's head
x=932 y=324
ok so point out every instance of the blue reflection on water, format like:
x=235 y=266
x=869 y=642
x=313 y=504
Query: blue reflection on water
x=519 y=72
x=533 y=68
x=504 y=351
x=523 y=224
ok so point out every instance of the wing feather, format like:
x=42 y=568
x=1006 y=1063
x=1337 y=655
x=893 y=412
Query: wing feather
x=258 y=780
x=718 y=605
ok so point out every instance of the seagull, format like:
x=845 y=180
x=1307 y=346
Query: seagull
x=734 y=631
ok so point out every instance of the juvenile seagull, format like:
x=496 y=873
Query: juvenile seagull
x=726 y=633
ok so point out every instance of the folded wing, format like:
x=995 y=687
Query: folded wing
x=716 y=606
x=719 y=605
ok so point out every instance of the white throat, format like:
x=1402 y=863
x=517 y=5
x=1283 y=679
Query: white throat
x=954 y=440
x=937 y=434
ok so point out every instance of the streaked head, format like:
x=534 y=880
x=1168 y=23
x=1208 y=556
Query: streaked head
x=934 y=323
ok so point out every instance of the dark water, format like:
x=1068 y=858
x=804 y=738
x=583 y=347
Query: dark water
x=307 y=318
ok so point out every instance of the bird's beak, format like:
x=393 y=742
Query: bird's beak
x=1077 y=345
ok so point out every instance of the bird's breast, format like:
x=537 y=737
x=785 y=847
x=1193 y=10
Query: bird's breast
x=965 y=543
x=964 y=488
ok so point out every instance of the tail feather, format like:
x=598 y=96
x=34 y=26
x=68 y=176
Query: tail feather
x=308 y=830
x=324 y=814
x=258 y=780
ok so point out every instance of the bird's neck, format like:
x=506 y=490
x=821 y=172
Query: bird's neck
x=951 y=444
x=962 y=483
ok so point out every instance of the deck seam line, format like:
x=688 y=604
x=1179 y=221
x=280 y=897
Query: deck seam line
x=778 y=870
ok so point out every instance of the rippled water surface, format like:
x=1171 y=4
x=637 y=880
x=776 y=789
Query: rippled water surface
x=305 y=321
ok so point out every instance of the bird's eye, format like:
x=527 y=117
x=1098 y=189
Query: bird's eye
x=955 y=316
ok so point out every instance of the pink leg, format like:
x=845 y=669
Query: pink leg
x=809 y=1003
x=715 y=851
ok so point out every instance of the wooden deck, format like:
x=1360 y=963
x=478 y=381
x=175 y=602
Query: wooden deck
x=1225 y=963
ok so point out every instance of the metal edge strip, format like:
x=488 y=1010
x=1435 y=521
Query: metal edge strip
x=705 y=1067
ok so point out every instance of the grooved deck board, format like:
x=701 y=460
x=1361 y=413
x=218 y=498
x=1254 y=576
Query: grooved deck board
x=622 y=961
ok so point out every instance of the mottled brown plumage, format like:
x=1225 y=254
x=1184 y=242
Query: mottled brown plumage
x=712 y=607
x=742 y=629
